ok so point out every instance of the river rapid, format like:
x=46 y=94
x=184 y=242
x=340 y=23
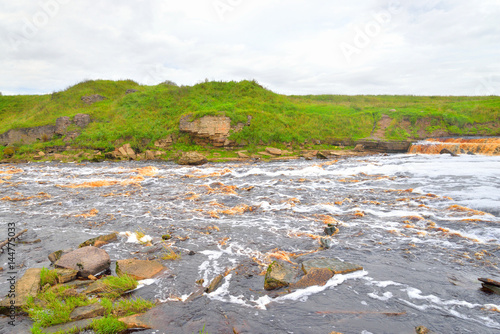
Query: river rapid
x=424 y=228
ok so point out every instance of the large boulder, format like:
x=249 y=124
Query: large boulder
x=87 y=260
x=81 y=120
x=61 y=124
x=138 y=269
x=192 y=158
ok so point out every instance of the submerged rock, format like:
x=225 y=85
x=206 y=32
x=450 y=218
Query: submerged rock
x=102 y=238
x=138 y=269
x=279 y=275
x=87 y=260
x=335 y=265
x=316 y=276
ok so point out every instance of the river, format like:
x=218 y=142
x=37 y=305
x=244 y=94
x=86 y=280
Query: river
x=424 y=228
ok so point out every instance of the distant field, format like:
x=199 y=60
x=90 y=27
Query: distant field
x=153 y=112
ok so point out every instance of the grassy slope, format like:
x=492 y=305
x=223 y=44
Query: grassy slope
x=154 y=111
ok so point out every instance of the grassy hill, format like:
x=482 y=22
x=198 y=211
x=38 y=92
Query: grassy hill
x=153 y=112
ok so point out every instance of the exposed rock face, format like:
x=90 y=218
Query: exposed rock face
x=192 y=158
x=87 y=260
x=91 y=99
x=46 y=132
x=138 y=269
x=210 y=130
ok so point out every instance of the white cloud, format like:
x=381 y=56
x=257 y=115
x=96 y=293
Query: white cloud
x=429 y=47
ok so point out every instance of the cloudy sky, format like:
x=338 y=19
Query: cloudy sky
x=422 y=47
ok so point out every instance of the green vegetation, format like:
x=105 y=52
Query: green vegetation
x=54 y=305
x=48 y=277
x=153 y=112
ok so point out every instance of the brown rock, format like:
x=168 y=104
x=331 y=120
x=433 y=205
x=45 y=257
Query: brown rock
x=134 y=321
x=215 y=284
x=208 y=129
x=66 y=275
x=87 y=260
x=91 y=99
x=192 y=158
x=53 y=257
x=315 y=276
x=102 y=238
x=273 y=151
x=130 y=152
x=26 y=286
x=359 y=148
x=99 y=243
x=242 y=155
x=85 y=312
x=279 y=275
x=81 y=120
x=138 y=269
x=150 y=155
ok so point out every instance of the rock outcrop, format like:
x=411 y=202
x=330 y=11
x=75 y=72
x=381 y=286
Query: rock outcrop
x=46 y=132
x=138 y=269
x=210 y=130
x=383 y=146
x=91 y=99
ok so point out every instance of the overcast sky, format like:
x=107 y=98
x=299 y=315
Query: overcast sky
x=422 y=47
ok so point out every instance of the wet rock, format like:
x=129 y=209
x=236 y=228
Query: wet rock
x=490 y=285
x=27 y=286
x=166 y=237
x=325 y=243
x=447 y=151
x=138 y=269
x=79 y=325
x=489 y=281
x=192 y=158
x=273 y=151
x=335 y=265
x=215 y=284
x=135 y=321
x=315 y=276
x=87 y=260
x=103 y=238
x=85 y=312
x=331 y=230
x=422 y=330
x=279 y=275
x=53 y=257
x=66 y=275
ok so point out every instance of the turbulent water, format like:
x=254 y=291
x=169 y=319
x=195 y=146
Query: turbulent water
x=423 y=227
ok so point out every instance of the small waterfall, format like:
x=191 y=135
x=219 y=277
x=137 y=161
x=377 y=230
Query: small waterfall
x=482 y=146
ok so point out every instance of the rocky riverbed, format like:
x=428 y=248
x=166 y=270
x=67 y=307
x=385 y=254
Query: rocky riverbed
x=423 y=228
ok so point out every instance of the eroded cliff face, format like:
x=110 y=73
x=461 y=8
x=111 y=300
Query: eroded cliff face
x=483 y=146
x=46 y=132
x=210 y=130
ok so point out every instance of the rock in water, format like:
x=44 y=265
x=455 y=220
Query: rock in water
x=215 y=284
x=138 y=269
x=314 y=277
x=335 y=265
x=447 y=151
x=192 y=158
x=87 y=260
x=331 y=230
x=279 y=275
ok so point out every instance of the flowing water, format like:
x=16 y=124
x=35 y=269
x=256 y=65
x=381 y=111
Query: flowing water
x=423 y=227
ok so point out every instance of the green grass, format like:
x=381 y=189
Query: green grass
x=108 y=325
x=48 y=277
x=153 y=112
